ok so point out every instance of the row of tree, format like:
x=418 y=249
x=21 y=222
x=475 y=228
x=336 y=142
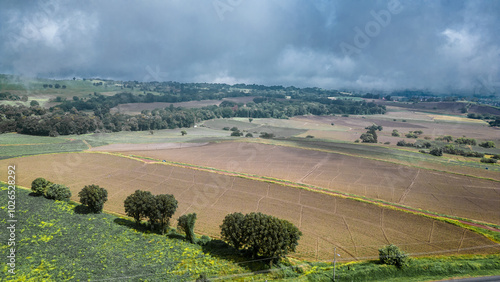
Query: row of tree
x=92 y=196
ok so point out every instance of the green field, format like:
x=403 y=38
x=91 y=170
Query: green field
x=53 y=243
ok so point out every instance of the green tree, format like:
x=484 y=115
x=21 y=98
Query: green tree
x=448 y=138
x=39 y=186
x=186 y=224
x=367 y=138
x=436 y=152
x=166 y=205
x=34 y=103
x=58 y=192
x=183 y=132
x=249 y=134
x=136 y=204
x=270 y=236
x=488 y=144
x=93 y=197
x=232 y=230
x=392 y=255
x=395 y=133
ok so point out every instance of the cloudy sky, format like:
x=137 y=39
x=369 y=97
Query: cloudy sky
x=365 y=45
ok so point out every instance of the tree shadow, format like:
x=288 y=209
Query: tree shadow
x=81 y=209
x=33 y=194
x=220 y=249
x=144 y=228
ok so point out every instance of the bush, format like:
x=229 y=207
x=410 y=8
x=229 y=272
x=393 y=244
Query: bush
x=204 y=240
x=488 y=160
x=58 y=192
x=309 y=136
x=93 y=197
x=225 y=128
x=411 y=135
x=392 y=255
x=39 y=186
x=387 y=143
x=488 y=144
x=466 y=141
x=436 y=152
x=395 y=133
x=266 y=135
x=186 y=224
x=249 y=135
x=236 y=133
x=234 y=128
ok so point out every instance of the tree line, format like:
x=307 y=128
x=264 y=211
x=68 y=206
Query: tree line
x=69 y=118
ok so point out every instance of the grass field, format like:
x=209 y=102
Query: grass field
x=357 y=229
x=53 y=243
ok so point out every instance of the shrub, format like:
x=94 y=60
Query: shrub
x=309 y=136
x=345 y=115
x=404 y=120
x=186 y=224
x=488 y=160
x=236 y=133
x=249 y=135
x=418 y=132
x=93 y=197
x=266 y=135
x=204 y=240
x=356 y=141
x=488 y=144
x=39 y=186
x=234 y=128
x=392 y=255
x=436 y=152
x=466 y=141
x=411 y=135
x=427 y=144
x=387 y=143
x=225 y=128
x=395 y=133
x=58 y=192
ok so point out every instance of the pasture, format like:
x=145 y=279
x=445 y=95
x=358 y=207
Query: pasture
x=357 y=229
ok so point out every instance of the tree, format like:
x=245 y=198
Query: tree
x=93 y=197
x=488 y=144
x=232 y=230
x=236 y=133
x=57 y=85
x=34 y=103
x=249 y=134
x=186 y=224
x=136 y=204
x=166 y=205
x=183 y=132
x=392 y=255
x=367 y=138
x=447 y=138
x=39 y=186
x=436 y=152
x=395 y=133
x=270 y=236
x=250 y=119
x=58 y=192
x=261 y=234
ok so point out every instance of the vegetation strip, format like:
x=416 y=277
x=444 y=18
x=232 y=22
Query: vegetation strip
x=490 y=231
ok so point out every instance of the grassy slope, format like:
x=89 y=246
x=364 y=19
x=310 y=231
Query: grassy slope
x=54 y=244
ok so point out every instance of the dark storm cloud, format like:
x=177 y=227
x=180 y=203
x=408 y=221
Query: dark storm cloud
x=439 y=45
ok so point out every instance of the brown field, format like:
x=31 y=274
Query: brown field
x=440 y=192
x=357 y=229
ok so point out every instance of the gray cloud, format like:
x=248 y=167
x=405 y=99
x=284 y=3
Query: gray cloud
x=437 y=45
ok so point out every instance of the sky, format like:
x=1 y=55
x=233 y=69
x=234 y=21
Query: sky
x=442 y=46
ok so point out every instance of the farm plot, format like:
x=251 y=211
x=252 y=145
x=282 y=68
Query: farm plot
x=440 y=192
x=357 y=229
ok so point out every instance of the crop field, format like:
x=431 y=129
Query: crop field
x=357 y=229
x=457 y=195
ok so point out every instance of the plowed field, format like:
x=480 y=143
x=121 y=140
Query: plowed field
x=357 y=229
x=446 y=193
